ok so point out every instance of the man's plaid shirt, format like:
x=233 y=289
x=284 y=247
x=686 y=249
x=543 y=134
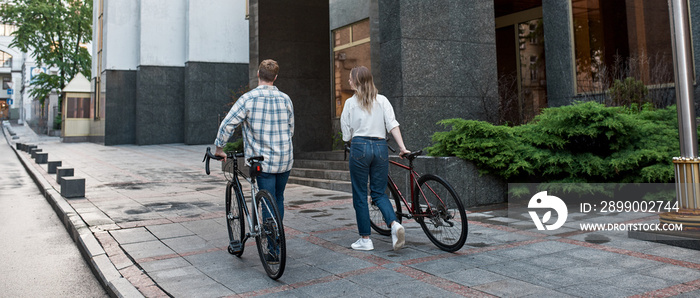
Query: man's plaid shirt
x=267 y=115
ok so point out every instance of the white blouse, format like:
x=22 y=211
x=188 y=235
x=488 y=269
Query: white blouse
x=356 y=122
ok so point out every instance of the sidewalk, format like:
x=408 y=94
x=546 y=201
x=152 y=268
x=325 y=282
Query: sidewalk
x=152 y=224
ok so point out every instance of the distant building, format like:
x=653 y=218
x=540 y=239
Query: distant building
x=165 y=69
x=11 y=67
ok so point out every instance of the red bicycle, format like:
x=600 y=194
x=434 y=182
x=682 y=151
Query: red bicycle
x=434 y=205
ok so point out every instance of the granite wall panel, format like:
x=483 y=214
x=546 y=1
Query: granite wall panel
x=160 y=105
x=301 y=46
x=120 y=107
x=438 y=61
x=210 y=88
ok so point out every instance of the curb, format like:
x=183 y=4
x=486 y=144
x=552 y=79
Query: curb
x=108 y=275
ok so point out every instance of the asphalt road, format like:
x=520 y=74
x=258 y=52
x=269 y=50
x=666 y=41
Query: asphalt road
x=37 y=256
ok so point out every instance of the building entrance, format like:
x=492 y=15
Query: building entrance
x=522 y=81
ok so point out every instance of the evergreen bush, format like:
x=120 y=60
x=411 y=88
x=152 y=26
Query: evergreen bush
x=582 y=143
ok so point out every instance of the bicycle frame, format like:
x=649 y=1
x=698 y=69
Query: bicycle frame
x=252 y=226
x=413 y=181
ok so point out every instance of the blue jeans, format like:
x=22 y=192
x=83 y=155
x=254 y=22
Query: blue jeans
x=369 y=158
x=275 y=184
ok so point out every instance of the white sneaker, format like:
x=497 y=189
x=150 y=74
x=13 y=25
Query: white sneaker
x=363 y=244
x=397 y=236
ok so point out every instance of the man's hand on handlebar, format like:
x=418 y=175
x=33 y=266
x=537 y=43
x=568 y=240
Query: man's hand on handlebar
x=220 y=153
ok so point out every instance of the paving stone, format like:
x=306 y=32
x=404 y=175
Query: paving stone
x=172 y=230
x=637 y=282
x=186 y=244
x=473 y=277
x=134 y=235
x=147 y=249
x=165 y=264
x=672 y=273
x=510 y=288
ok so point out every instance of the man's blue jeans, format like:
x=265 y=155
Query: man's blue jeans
x=275 y=184
x=369 y=158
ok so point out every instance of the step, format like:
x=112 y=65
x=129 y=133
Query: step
x=344 y=186
x=338 y=155
x=321 y=174
x=338 y=165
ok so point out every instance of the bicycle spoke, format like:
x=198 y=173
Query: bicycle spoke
x=270 y=241
x=444 y=220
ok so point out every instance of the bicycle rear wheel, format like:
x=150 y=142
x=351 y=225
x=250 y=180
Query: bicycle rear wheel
x=234 y=219
x=272 y=246
x=446 y=221
x=376 y=218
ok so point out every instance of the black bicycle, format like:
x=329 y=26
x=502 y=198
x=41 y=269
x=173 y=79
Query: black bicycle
x=264 y=222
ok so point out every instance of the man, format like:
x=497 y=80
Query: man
x=267 y=116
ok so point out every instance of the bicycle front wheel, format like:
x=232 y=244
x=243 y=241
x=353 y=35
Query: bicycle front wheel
x=444 y=220
x=272 y=246
x=234 y=220
x=376 y=218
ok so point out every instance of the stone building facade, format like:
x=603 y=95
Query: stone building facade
x=495 y=60
x=165 y=70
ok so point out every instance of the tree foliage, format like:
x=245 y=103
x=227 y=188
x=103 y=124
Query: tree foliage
x=53 y=32
x=584 y=142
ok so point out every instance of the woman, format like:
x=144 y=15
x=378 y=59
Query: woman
x=366 y=118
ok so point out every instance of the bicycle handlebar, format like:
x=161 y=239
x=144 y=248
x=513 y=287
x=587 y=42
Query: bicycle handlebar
x=207 y=157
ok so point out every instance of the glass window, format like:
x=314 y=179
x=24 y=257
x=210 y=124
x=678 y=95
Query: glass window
x=350 y=48
x=5 y=59
x=532 y=69
x=78 y=107
x=615 y=39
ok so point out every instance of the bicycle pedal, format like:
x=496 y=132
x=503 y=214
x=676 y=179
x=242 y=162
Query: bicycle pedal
x=236 y=246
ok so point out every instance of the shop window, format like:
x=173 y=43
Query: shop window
x=78 y=107
x=351 y=48
x=615 y=39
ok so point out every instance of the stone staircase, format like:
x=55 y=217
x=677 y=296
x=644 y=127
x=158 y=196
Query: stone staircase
x=327 y=170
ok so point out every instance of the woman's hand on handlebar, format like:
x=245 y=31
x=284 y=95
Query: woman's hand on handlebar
x=220 y=153
x=403 y=152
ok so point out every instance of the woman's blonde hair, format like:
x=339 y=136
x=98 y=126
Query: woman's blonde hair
x=364 y=87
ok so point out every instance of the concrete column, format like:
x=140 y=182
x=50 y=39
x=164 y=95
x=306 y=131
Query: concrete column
x=438 y=61
x=559 y=43
x=296 y=35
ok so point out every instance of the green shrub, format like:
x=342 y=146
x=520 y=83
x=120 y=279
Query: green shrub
x=236 y=146
x=628 y=93
x=581 y=143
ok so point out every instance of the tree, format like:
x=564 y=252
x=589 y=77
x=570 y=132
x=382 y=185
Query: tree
x=53 y=31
